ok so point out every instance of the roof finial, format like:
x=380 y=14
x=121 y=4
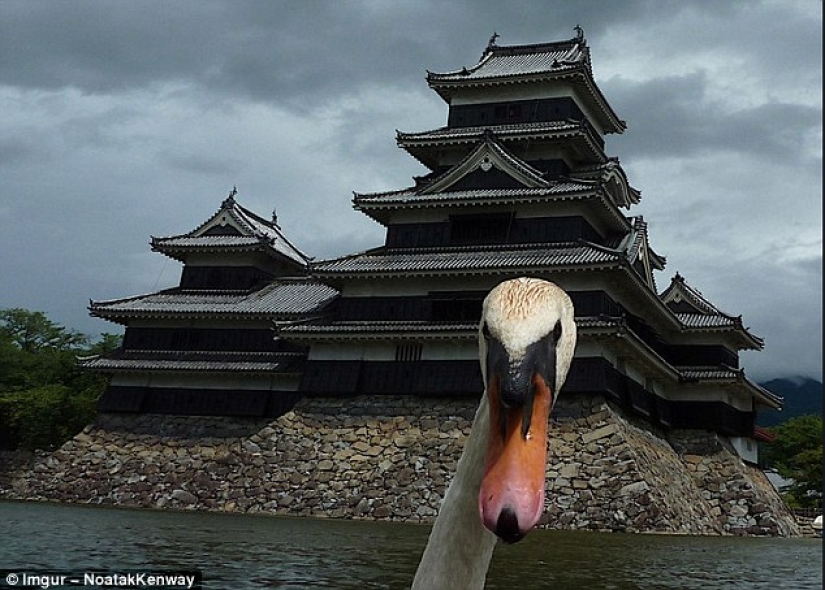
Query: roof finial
x=492 y=42
x=274 y=216
x=230 y=200
x=579 y=33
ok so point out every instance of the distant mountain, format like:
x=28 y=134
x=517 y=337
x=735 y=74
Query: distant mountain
x=803 y=395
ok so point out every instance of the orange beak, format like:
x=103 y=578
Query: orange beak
x=511 y=498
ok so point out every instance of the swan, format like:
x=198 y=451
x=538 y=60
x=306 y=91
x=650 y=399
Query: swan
x=526 y=340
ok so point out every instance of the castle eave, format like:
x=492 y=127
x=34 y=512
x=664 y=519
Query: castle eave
x=734 y=378
x=139 y=361
x=423 y=145
x=381 y=206
x=531 y=64
x=283 y=299
x=468 y=260
x=381 y=330
x=718 y=323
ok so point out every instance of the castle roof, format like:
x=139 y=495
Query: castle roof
x=380 y=206
x=728 y=376
x=520 y=64
x=371 y=329
x=126 y=361
x=606 y=180
x=281 y=299
x=349 y=330
x=697 y=314
x=488 y=153
x=578 y=134
x=232 y=228
x=469 y=260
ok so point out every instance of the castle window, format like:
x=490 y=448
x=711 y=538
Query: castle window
x=408 y=352
x=480 y=229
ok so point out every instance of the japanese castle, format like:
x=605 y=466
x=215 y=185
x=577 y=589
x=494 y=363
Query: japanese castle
x=518 y=184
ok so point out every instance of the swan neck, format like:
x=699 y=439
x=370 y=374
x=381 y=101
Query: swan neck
x=459 y=550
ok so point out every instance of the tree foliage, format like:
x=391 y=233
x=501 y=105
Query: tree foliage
x=796 y=454
x=32 y=331
x=45 y=398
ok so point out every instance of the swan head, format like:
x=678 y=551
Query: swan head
x=527 y=337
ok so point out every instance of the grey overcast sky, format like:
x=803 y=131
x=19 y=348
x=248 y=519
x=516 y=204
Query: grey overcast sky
x=121 y=120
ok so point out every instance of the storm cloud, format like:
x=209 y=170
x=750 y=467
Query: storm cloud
x=124 y=120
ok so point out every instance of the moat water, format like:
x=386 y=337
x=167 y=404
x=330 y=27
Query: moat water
x=245 y=552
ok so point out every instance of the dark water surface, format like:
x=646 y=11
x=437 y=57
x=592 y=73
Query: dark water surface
x=236 y=551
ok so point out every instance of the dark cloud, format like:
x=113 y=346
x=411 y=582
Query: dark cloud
x=674 y=115
x=125 y=119
x=274 y=50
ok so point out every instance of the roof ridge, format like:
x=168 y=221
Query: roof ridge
x=494 y=50
x=541 y=47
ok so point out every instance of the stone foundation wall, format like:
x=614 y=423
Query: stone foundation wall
x=392 y=458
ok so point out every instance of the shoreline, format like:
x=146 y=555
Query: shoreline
x=392 y=459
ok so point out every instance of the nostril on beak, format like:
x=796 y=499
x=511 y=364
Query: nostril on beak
x=507 y=526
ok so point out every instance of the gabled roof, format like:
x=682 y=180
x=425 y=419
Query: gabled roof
x=635 y=249
x=232 y=227
x=517 y=64
x=606 y=182
x=283 y=299
x=612 y=177
x=696 y=313
x=488 y=154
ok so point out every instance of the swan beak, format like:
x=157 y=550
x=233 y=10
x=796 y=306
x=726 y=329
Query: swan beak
x=511 y=498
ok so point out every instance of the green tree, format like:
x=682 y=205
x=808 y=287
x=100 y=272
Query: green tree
x=44 y=396
x=796 y=453
x=34 y=351
x=32 y=331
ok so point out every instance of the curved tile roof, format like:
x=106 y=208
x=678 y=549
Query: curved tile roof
x=518 y=60
x=565 y=189
x=348 y=328
x=703 y=315
x=527 y=63
x=252 y=231
x=503 y=131
x=698 y=320
x=281 y=299
x=246 y=362
x=724 y=374
x=468 y=259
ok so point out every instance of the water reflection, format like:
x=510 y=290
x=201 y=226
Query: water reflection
x=242 y=552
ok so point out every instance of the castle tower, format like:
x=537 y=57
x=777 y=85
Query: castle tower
x=518 y=183
x=207 y=346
